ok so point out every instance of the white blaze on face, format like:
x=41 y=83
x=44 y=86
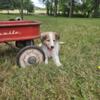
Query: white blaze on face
x=52 y=38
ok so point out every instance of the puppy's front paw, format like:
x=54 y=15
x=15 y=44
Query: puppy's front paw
x=59 y=64
x=46 y=61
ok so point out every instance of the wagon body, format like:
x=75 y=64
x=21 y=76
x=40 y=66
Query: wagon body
x=19 y=30
x=23 y=33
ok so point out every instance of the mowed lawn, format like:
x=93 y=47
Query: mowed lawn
x=77 y=79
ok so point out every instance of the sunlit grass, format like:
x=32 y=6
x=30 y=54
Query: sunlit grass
x=80 y=55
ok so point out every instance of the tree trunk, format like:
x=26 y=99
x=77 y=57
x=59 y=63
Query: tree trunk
x=48 y=8
x=21 y=9
x=55 y=7
x=96 y=8
x=51 y=9
x=71 y=8
x=8 y=12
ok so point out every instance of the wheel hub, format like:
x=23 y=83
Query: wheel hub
x=32 y=60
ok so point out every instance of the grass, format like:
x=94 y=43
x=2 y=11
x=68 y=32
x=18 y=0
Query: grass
x=77 y=80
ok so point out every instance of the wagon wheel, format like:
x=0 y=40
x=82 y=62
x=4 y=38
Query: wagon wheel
x=23 y=43
x=30 y=55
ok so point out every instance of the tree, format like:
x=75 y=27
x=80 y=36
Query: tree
x=47 y=3
x=87 y=8
x=6 y=5
x=71 y=8
x=21 y=12
x=55 y=7
x=28 y=6
x=51 y=6
x=64 y=7
x=23 y=5
x=91 y=8
x=96 y=8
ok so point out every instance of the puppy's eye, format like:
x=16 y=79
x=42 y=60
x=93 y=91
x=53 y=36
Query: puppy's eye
x=48 y=40
x=54 y=40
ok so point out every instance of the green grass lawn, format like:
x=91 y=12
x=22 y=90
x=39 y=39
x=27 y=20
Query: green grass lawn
x=79 y=79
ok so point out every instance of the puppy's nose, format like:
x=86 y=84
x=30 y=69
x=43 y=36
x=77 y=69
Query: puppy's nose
x=52 y=47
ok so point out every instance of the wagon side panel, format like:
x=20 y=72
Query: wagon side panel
x=15 y=33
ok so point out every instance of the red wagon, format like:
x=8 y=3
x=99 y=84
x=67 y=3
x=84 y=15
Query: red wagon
x=23 y=33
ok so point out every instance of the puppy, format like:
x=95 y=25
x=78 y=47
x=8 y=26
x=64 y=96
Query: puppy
x=51 y=47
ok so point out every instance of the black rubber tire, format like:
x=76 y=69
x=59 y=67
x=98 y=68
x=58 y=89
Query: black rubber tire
x=26 y=50
x=24 y=43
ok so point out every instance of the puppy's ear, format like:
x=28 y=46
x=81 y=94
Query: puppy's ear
x=43 y=36
x=57 y=36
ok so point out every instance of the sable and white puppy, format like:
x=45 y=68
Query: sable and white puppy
x=51 y=47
